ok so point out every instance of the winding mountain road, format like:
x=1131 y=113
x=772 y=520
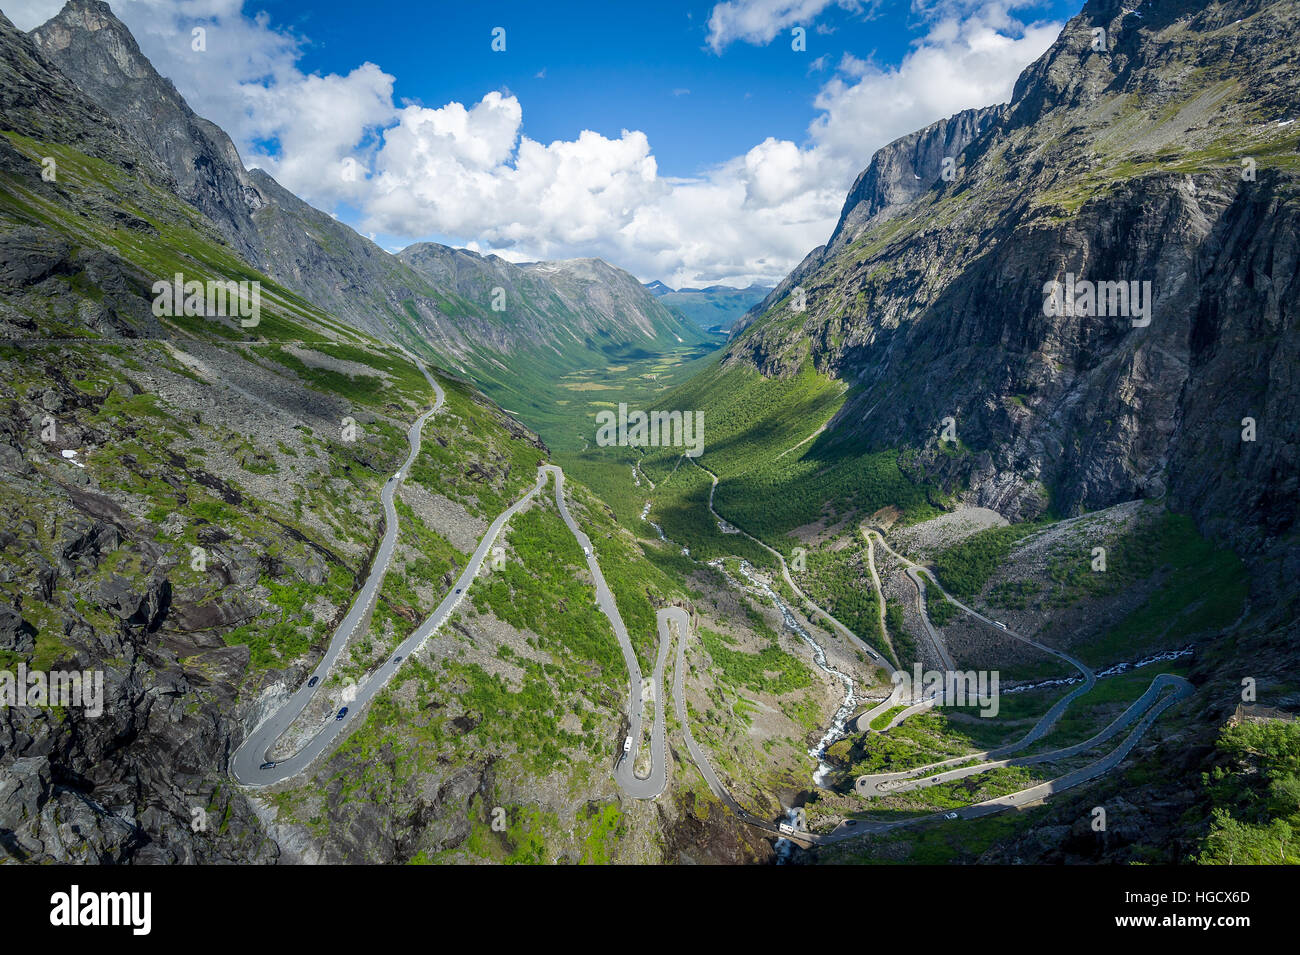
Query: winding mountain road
x=936 y=639
x=250 y=765
x=247 y=760
x=633 y=785
x=1148 y=707
x=883 y=784
x=836 y=625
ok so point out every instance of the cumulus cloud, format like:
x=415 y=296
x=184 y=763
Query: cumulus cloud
x=472 y=175
x=468 y=174
x=471 y=172
x=964 y=61
x=320 y=125
x=759 y=21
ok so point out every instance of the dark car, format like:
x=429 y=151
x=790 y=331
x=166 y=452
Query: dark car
x=397 y=659
x=313 y=681
x=267 y=766
x=457 y=590
x=342 y=713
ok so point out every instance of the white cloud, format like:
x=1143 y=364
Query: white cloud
x=469 y=174
x=319 y=123
x=751 y=218
x=759 y=21
x=961 y=63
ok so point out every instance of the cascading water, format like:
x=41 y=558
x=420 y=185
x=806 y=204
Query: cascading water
x=838 y=722
x=1109 y=671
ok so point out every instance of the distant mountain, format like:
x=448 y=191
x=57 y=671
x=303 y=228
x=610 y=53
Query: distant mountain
x=715 y=308
x=550 y=304
x=433 y=300
x=554 y=318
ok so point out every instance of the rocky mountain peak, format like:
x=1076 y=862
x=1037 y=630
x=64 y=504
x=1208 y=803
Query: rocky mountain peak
x=897 y=174
x=94 y=49
x=1121 y=160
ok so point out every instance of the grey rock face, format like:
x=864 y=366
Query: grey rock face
x=92 y=47
x=1112 y=166
x=16 y=634
x=323 y=259
x=898 y=174
x=905 y=170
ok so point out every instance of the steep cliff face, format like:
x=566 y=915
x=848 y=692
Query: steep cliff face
x=897 y=175
x=266 y=224
x=319 y=257
x=1167 y=155
x=129 y=442
x=905 y=169
x=99 y=53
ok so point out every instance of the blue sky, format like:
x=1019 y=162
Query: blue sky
x=683 y=141
x=610 y=66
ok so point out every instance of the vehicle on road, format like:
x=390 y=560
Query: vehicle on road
x=950 y=815
x=457 y=590
x=313 y=681
x=999 y=624
x=397 y=659
x=342 y=713
x=267 y=766
x=587 y=551
x=786 y=829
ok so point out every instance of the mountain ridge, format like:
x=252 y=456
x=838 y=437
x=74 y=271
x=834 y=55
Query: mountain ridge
x=319 y=257
x=952 y=282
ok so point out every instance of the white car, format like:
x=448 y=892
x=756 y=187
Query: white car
x=950 y=815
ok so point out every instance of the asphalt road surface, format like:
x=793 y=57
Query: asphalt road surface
x=245 y=764
x=248 y=761
x=249 y=764
x=818 y=612
x=883 y=784
x=624 y=774
x=1153 y=702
